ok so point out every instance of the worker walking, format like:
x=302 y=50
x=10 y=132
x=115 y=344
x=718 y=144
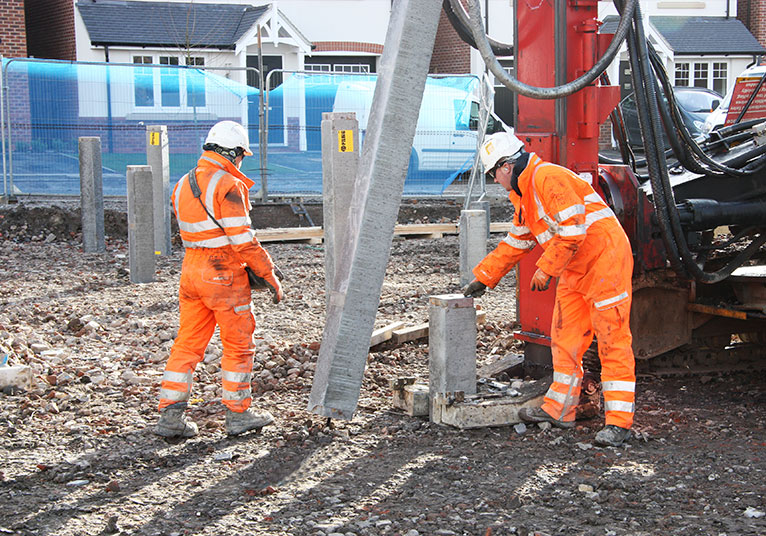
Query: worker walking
x=587 y=250
x=212 y=206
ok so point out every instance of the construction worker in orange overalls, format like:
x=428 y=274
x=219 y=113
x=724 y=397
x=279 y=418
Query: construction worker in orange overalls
x=587 y=250
x=214 y=288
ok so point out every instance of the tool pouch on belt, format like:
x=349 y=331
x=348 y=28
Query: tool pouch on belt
x=256 y=282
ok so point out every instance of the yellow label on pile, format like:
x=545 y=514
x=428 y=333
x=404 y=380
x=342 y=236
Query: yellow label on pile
x=345 y=141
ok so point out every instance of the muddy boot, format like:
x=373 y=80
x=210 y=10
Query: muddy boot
x=612 y=436
x=173 y=424
x=539 y=415
x=239 y=423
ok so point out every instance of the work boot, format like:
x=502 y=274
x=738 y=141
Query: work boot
x=239 y=423
x=173 y=424
x=539 y=415
x=612 y=436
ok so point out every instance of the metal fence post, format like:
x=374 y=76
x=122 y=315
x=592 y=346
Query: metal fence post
x=2 y=129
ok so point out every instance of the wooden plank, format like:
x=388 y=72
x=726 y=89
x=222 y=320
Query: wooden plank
x=384 y=334
x=411 y=333
x=314 y=235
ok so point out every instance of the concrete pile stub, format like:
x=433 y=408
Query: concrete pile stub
x=340 y=163
x=158 y=158
x=91 y=195
x=140 y=224
x=451 y=347
x=473 y=242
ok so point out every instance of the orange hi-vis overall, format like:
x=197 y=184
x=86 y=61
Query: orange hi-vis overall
x=214 y=285
x=587 y=249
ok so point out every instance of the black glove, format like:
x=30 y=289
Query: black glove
x=474 y=289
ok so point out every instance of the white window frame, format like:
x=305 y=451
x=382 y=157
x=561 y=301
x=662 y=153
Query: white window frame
x=692 y=65
x=156 y=73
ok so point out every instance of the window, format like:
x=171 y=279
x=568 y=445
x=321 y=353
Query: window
x=169 y=84
x=317 y=67
x=195 y=83
x=351 y=68
x=143 y=80
x=682 y=74
x=701 y=75
x=720 y=77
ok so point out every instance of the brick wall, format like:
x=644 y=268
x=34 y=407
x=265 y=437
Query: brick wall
x=50 y=29
x=752 y=13
x=13 y=35
x=451 y=55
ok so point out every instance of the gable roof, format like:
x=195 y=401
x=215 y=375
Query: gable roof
x=168 y=24
x=707 y=35
x=699 y=35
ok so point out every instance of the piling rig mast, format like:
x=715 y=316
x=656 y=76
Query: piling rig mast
x=696 y=234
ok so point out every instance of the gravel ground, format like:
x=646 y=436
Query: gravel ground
x=77 y=456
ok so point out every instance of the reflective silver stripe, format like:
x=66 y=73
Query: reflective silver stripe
x=197 y=227
x=567 y=213
x=178 y=191
x=618 y=405
x=543 y=237
x=594 y=198
x=216 y=164
x=555 y=395
x=239 y=377
x=593 y=217
x=236 y=395
x=619 y=386
x=519 y=244
x=610 y=301
x=566 y=379
x=518 y=230
x=242 y=238
x=235 y=221
x=240 y=308
x=170 y=394
x=178 y=377
x=572 y=230
x=217 y=242
x=210 y=192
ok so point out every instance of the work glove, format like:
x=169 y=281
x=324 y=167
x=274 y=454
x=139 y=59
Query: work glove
x=274 y=286
x=540 y=281
x=474 y=289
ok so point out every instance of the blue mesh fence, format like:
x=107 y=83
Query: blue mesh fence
x=48 y=105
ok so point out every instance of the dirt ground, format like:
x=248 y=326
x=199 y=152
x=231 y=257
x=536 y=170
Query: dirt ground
x=77 y=456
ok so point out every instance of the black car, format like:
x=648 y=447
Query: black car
x=694 y=103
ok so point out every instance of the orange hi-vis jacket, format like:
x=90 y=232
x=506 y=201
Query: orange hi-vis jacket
x=587 y=249
x=214 y=289
x=561 y=212
x=228 y=200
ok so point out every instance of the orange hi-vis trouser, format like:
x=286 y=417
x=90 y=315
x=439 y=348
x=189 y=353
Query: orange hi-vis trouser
x=577 y=317
x=214 y=290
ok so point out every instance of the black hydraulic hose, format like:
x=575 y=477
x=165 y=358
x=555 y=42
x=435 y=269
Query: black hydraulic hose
x=543 y=92
x=459 y=20
x=703 y=163
x=661 y=184
x=646 y=105
x=750 y=99
x=744 y=125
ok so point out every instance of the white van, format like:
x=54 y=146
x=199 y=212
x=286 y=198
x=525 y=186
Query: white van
x=718 y=116
x=446 y=131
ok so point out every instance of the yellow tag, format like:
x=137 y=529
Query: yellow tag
x=158 y=253
x=154 y=138
x=345 y=141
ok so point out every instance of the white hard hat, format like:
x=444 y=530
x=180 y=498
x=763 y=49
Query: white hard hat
x=497 y=146
x=229 y=135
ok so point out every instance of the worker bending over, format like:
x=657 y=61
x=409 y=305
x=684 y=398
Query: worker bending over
x=214 y=288
x=587 y=250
